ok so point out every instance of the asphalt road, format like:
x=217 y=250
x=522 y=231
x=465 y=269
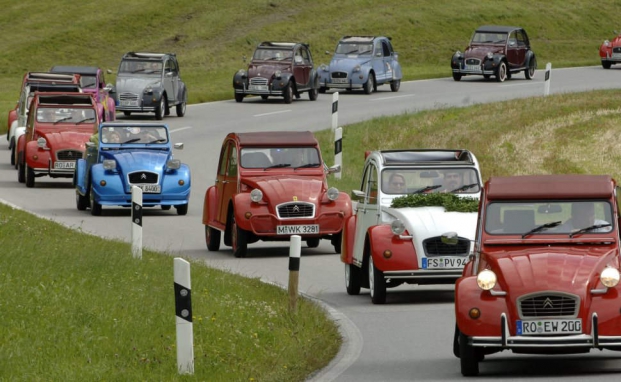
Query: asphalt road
x=409 y=338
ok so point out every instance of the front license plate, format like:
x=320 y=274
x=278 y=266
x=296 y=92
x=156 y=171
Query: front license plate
x=149 y=188
x=64 y=165
x=473 y=67
x=339 y=80
x=444 y=262
x=546 y=327
x=258 y=87
x=297 y=229
x=129 y=103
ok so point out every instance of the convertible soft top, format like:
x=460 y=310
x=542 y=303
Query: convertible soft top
x=496 y=28
x=543 y=187
x=427 y=157
x=85 y=70
x=276 y=138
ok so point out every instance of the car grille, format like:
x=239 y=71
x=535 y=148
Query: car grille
x=258 y=81
x=473 y=61
x=68 y=155
x=616 y=49
x=339 y=74
x=128 y=97
x=295 y=210
x=143 y=177
x=548 y=305
x=435 y=247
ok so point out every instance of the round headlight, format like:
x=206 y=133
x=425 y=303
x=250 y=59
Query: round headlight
x=277 y=74
x=333 y=193
x=148 y=90
x=174 y=164
x=606 y=42
x=109 y=164
x=324 y=67
x=486 y=279
x=256 y=195
x=356 y=68
x=490 y=55
x=609 y=277
x=397 y=227
x=458 y=54
x=41 y=142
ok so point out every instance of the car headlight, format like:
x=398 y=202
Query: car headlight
x=606 y=42
x=490 y=55
x=109 y=164
x=42 y=143
x=333 y=193
x=356 y=69
x=486 y=279
x=397 y=227
x=256 y=195
x=241 y=72
x=610 y=277
x=174 y=164
x=458 y=54
x=324 y=67
x=277 y=74
x=148 y=90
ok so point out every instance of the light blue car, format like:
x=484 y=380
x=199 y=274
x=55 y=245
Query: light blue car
x=361 y=63
x=132 y=154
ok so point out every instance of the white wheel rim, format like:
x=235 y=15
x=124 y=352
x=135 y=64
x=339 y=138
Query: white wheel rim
x=347 y=275
x=371 y=277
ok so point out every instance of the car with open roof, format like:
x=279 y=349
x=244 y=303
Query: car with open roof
x=269 y=186
x=496 y=50
x=406 y=201
x=278 y=69
x=544 y=275
x=150 y=83
x=132 y=154
x=362 y=63
x=610 y=51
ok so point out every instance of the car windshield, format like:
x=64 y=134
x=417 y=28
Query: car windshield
x=65 y=115
x=354 y=49
x=88 y=82
x=279 y=157
x=489 y=38
x=140 y=66
x=399 y=180
x=549 y=217
x=134 y=134
x=272 y=54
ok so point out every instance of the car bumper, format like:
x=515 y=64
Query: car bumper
x=479 y=72
x=264 y=225
x=616 y=57
x=427 y=274
x=148 y=200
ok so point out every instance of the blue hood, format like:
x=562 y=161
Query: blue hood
x=147 y=160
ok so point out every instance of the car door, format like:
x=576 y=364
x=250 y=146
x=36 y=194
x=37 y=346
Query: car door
x=301 y=68
x=367 y=210
x=522 y=42
x=226 y=181
x=169 y=81
x=378 y=62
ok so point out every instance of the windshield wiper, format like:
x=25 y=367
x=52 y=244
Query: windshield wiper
x=590 y=228
x=465 y=187
x=542 y=227
x=352 y=51
x=132 y=140
x=308 y=165
x=425 y=189
x=278 y=165
x=63 y=119
x=84 y=120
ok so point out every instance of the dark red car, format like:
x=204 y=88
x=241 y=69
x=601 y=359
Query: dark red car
x=610 y=51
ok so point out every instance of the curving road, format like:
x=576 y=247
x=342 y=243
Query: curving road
x=409 y=338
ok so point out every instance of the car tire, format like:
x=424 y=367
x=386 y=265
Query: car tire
x=395 y=85
x=166 y=208
x=337 y=241
x=239 y=239
x=369 y=86
x=313 y=94
x=160 y=109
x=21 y=173
x=377 y=283
x=456 y=342
x=95 y=207
x=30 y=177
x=322 y=89
x=313 y=242
x=529 y=73
x=127 y=113
x=456 y=76
x=264 y=97
x=81 y=201
x=182 y=209
x=212 y=238
x=288 y=93
x=352 y=279
x=180 y=109
x=239 y=97
x=487 y=76
x=12 y=155
x=501 y=72
x=468 y=358
x=606 y=64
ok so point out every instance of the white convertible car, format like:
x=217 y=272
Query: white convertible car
x=386 y=244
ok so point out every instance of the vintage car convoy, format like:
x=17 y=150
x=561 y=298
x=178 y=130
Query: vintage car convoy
x=57 y=129
x=132 y=154
x=384 y=247
x=362 y=63
x=269 y=186
x=610 y=51
x=278 y=69
x=150 y=83
x=544 y=276
x=499 y=51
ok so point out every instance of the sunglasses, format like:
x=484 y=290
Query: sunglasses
x=397 y=184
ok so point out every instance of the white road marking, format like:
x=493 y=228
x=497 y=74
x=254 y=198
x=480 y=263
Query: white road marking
x=386 y=98
x=521 y=84
x=180 y=129
x=274 y=112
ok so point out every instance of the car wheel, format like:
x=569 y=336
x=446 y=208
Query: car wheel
x=160 y=109
x=313 y=94
x=395 y=85
x=264 y=97
x=127 y=113
x=456 y=76
x=21 y=173
x=606 y=64
x=165 y=208
x=95 y=207
x=288 y=93
x=501 y=72
x=532 y=67
x=336 y=241
x=322 y=89
x=182 y=209
x=352 y=279
x=239 y=97
x=456 y=342
x=180 y=109
x=239 y=240
x=30 y=177
x=81 y=201
x=369 y=85
x=377 y=283
x=467 y=357
x=13 y=155
x=212 y=238
x=487 y=76
x=313 y=242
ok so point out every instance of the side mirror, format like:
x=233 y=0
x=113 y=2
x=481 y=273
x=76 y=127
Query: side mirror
x=357 y=195
x=449 y=238
x=168 y=74
x=90 y=144
x=109 y=71
x=328 y=52
x=178 y=146
x=334 y=169
x=109 y=88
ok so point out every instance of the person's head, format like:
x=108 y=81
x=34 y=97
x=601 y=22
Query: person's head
x=114 y=137
x=396 y=183
x=582 y=214
x=453 y=179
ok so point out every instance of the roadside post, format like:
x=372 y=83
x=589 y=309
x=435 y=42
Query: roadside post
x=137 y=222
x=183 y=312
x=335 y=110
x=546 y=88
x=294 y=271
x=338 y=150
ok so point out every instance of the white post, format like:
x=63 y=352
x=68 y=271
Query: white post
x=338 y=150
x=335 y=110
x=294 y=271
x=183 y=312
x=546 y=88
x=137 y=222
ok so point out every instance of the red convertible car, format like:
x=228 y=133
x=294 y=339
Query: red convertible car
x=544 y=276
x=269 y=186
x=610 y=51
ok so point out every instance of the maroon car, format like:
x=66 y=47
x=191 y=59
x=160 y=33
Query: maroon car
x=610 y=51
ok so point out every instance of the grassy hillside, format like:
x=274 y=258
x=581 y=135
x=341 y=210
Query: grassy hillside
x=210 y=37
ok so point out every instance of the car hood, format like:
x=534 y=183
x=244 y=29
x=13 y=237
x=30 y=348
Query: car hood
x=293 y=188
x=133 y=160
x=480 y=51
x=346 y=64
x=548 y=268
x=65 y=139
x=425 y=222
x=265 y=70
x=135 y=84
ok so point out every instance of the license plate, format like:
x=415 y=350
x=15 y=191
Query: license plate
x=297 y=229
x=129 y=103
x=64 y=165
x=149 y=188
x=339 y=80
x=473 y=67
x=444 y=262
x=258 y=87
x=546 y=327
x=616 y=55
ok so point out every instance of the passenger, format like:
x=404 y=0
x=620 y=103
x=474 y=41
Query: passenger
x=396 y=184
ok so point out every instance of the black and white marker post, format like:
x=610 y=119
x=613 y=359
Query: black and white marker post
x=338 y=134
x=335 y=110
x=295 y=245
x=137 y=222
x=183 y=312
x=546 y=86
